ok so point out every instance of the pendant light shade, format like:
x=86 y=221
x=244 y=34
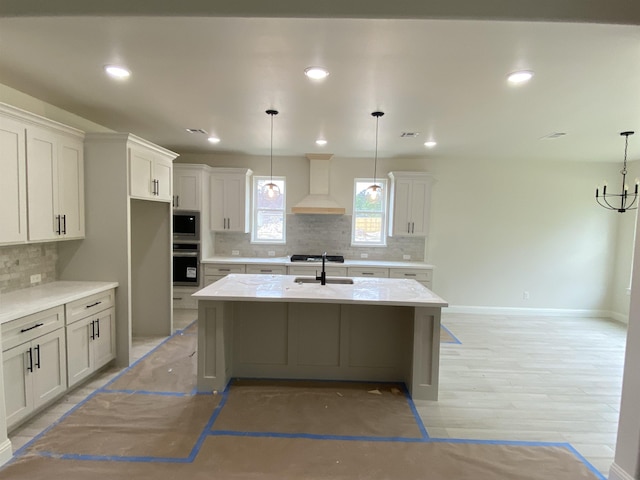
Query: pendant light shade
x=626 y=200
x=272 y=190
x=374 y=190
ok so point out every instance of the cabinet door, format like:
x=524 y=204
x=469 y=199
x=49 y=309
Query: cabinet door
x=49 y=367
x=44 y=221
x=104 y=343
x=401 y=210
x=140 y=173
x=79 y=355
x=18 y=388
x=234 y=203
x=186 y=190
x=217 y=216
x=420 y=197
x=162 y=175
x=13 y=182
x=71 y=188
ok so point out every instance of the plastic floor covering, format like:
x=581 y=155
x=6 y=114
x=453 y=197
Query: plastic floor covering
x=150 y=423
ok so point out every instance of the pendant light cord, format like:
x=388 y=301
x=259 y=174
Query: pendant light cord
x=375 y=158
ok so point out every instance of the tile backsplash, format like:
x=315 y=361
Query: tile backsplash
x=314 y=234
x=19 y=262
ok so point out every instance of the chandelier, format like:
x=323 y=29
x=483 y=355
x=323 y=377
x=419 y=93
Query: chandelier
x=625 y=199
x=272 y=190
x=375 y=189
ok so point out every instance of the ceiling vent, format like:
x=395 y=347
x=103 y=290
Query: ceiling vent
x=196 y=130
x=553 y=135
x=318 y=202
x=409 y=134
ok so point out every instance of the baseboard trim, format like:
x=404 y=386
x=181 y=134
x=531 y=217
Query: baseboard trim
x=6 y=451
x=617 y=473
x=552 y=312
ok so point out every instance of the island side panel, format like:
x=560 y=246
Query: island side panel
x=423 y=380
x=215 y=323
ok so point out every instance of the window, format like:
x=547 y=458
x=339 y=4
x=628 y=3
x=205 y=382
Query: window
x=268 y=211
x=369 y=214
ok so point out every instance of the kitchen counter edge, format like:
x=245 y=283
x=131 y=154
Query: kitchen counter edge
x=26 y=301
x=285 y=261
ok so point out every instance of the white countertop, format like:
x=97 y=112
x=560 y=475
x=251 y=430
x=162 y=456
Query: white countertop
x=20 y=303
x=287 y=261
x=283 y=288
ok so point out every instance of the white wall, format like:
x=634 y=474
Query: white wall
x=497 y=230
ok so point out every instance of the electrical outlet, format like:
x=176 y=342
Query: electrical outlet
x=364 y=255
x=235 y=252
x=37 y=278
x=271 y=253
x=406 y=257
x=525 y=295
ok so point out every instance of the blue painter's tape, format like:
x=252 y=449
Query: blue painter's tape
x=114 y=458
x=149 y=392
x=313 y=436
x=455 y=339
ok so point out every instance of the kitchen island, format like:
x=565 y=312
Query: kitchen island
x=283 y=326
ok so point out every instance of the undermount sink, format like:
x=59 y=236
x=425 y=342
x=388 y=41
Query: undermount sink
x=337 y=281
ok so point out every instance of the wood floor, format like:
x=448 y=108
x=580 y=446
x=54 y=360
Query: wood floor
x=538 y=379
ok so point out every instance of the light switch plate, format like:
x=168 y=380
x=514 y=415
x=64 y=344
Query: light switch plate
x=271 y=253
x=364 y=255
x=37 y=278
x=406 y=257
x=235 y=252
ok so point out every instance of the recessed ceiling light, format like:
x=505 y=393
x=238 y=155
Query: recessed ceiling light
x=430 y=144
x=316 y=73
x=117 y=71
x=321 y=142
x=519 y=77
x=213 y=139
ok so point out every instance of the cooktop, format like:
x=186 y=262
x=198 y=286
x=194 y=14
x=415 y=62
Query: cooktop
x=317 y=258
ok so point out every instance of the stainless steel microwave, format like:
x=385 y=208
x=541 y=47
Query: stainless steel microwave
x=186 y=226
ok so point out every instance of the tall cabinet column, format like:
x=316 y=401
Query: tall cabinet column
x=128 y=233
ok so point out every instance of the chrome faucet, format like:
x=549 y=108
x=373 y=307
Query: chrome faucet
x=323 y=275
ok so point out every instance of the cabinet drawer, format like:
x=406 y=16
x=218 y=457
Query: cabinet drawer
x=89 y=305
x=223 y=268
x=378 y=272
x=27 y=328
x=267 y=269
x=312 y=269
x=412 y=273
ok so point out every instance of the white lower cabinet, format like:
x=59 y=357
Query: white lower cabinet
x=90 y=339
x=424 y=276
x=266 y=269
x=34 y=374
x=215 y=271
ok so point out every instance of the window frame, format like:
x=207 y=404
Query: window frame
x=384 y=183
x=255 y=210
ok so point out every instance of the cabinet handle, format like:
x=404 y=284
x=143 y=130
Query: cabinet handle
x=157 y=187
x=178 y=200
x=409 y=274
x=367 y=273
x=412 y=225
x=228 y=224
x=266 y=271
x=31 y=328
x=58 y=226
x=64 y=224
x=98 y=329
x=93 y=304
x=37 y=349
x=93 y=329
x=30 y=364
x=408 y=227
x=224 y=269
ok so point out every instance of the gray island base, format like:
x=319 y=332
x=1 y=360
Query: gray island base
x=288 y=327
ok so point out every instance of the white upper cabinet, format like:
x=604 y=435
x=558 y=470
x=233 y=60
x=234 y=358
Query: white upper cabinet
x=410 y=203
x=150 y=174
x=13 y=182
x=230 y=193
x=55 y=184
x=188 y=186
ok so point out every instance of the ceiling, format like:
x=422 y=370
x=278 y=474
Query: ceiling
x=444 y=78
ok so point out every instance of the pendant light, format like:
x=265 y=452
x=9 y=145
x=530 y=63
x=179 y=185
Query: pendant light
x=626 y=199
x=374 y=190
x=272 y=190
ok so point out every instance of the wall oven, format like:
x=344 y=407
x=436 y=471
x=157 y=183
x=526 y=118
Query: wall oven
x=186 y=227
x=186 y=264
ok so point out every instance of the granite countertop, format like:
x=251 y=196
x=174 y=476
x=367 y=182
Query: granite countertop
x=287 y=261
x=20 y=303
x=283 y=288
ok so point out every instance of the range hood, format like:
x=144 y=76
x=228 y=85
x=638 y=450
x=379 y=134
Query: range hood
x=318 y=201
